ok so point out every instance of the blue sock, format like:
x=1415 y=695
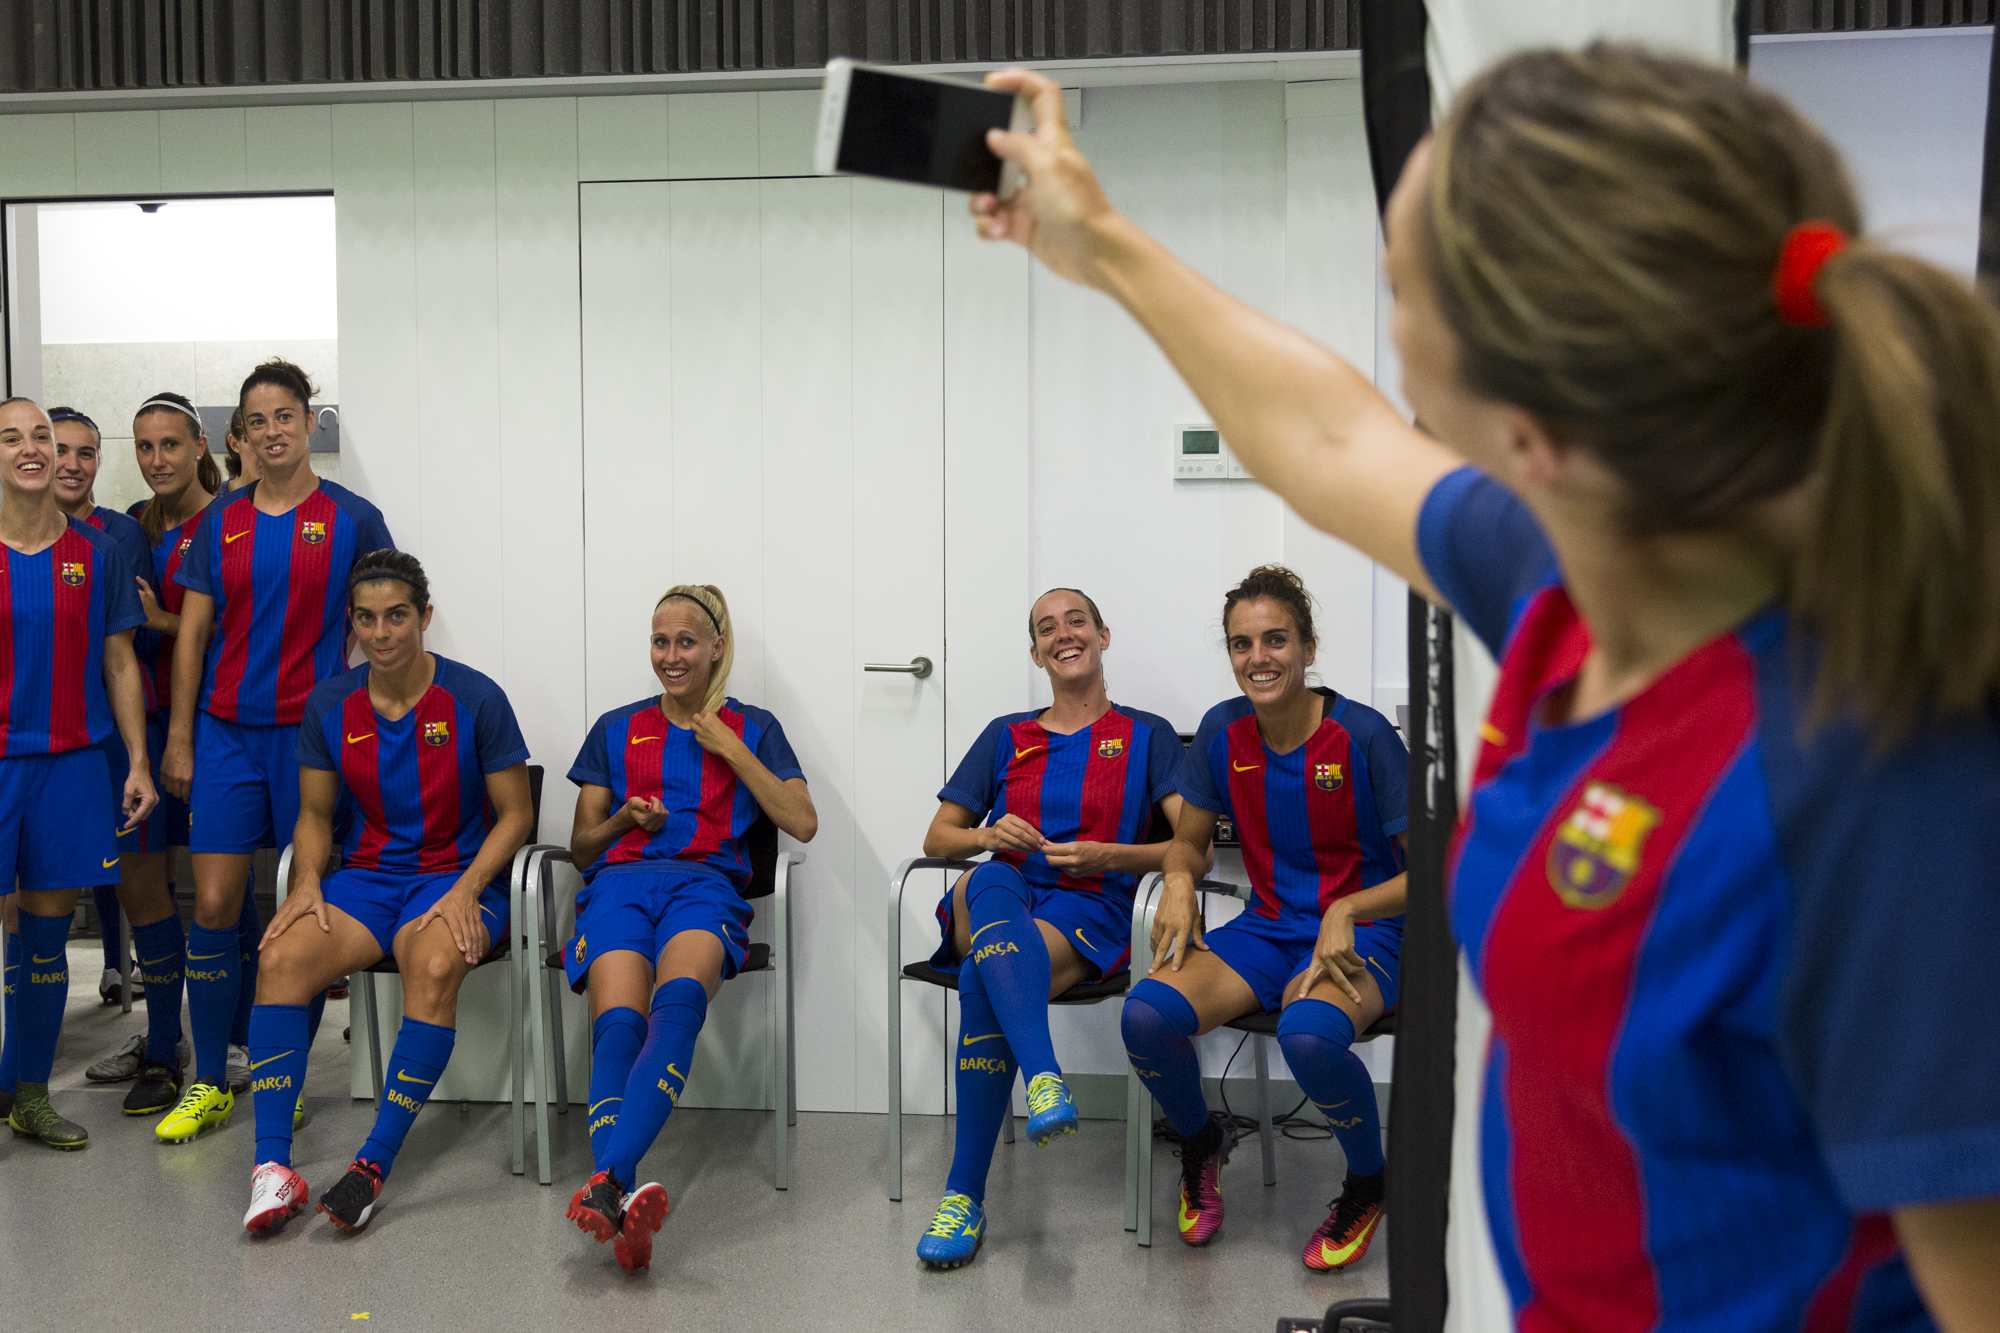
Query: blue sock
x=985 y=1080
x=1013 y=963
x=1317 y=1039
x=658 y=1075
x=162 y=949
x=211 y=992
x=1159 y=1023
x=277 y=1074
x=10 y=1052
x=106 y=898
x=249 y=933
x=615 y=1039
x=314 y=1012
x=40 y=1004
x=422 y=1051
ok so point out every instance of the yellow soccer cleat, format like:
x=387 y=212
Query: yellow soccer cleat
x=202 y=1107
x=299 y=1113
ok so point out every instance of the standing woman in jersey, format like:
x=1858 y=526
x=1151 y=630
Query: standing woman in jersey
x=1729 y=877
x=264 y=621
x=1067 y=796
x=1314 y=783
x=670 y=785
x=79 y=454
x=431 y=754
x=70 y=606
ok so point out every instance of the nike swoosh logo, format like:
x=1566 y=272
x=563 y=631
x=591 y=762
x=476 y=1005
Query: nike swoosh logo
x=112 y=862
x=1086 y=943
x=401 y=1077
x=641 y=740
x=356 y=740
x=1030 y=750
x=154 y=962
x=678 y=1074
x=988 y=1037
x=229 y=537
x=606 y=1102
x=267 y=1059
x=50 y=959
x=983 y=929
x=1244 y=768
x=204 y=957
x=123 y=833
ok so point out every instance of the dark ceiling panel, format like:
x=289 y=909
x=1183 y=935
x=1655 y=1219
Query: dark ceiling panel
x=71 y=45
x=1793 y=16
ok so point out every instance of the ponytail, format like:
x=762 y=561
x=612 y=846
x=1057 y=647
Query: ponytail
x=710 y=599
x=179 y=409
x=1899 y=571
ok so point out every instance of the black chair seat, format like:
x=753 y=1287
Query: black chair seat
x=1088 y=992
x=1266 y=1025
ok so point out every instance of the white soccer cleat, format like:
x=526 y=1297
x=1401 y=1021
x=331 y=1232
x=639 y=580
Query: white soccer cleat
x=276 y=1194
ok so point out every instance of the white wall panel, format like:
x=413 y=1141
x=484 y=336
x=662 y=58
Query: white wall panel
x=118 y=152
x=202 y=151
x=622 y=138
x=375 y=229
x=711 y=134
x=787 y=123
x=38 y=156
x=540 y=443
x=288 y=147
x=458 y=377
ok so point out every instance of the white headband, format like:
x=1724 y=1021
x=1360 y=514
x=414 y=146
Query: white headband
x=152 y=403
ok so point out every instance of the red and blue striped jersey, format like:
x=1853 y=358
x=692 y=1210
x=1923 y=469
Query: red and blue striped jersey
x=156 y=650
x=1317 y=823
x=280 y=588
x=1740 y=974
x=57 y=606
x=1095 y=785
x=635 y=751
x=131 y=541
x=419 y=783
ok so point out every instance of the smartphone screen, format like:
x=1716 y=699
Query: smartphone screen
x=922 y=131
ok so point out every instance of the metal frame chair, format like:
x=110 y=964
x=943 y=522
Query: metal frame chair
x=548 y=918
x=1261 y=1026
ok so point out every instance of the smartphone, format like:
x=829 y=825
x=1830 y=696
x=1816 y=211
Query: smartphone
x=915 y=128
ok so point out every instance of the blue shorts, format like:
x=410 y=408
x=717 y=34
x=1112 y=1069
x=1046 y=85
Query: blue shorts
x=1268 y=954
x=167 y=825
x=385 y=901
x=1098 y=924
x=639 y=906
x=246 y=786
x=55 y=826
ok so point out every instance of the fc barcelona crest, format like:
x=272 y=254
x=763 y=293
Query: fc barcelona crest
x=74 y=572
x=1329 y=777
x=186 y=542
x=579 y=951
x=437 y=733
x=1110 y=749
x=1599 y=846
x=313 y=532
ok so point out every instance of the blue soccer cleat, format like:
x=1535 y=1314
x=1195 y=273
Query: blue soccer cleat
x=956 y=1230
x=1051 y=1113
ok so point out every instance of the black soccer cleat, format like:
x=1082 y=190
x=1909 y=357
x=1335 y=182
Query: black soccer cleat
x=157 y=1088
x=351 y=1201
x=597 y=1207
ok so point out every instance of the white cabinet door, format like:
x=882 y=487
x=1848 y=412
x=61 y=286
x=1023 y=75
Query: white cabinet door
x=763 y=410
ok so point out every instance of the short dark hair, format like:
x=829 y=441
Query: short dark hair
x=391 y=566
x=1280 y=585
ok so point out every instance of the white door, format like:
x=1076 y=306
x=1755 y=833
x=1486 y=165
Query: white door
x=764 y=410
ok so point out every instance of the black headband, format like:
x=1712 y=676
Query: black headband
x=690 y=597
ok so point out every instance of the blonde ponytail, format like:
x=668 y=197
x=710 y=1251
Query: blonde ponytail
x=1899 y=572
x=710 y=599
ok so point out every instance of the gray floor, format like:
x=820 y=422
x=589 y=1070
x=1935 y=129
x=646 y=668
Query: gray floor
x=132 y=1234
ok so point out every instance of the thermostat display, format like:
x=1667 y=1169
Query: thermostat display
x=1200 y=454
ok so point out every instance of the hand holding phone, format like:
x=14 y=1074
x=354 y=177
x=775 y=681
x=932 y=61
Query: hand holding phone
x=916 y=129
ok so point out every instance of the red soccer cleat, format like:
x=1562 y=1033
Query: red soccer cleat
x=644 y=1209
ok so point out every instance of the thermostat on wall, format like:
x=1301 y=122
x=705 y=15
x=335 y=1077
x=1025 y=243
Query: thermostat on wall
x=1201 y=455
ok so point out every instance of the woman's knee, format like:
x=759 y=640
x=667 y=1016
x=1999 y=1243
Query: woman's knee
x=1155 y=1012
x=289 y=972
x=996 y=877
x=1307 y=1027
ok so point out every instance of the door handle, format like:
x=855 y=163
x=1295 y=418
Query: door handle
x=919 y=667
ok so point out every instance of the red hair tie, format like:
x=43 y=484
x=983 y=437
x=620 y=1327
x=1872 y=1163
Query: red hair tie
x=1806 y=249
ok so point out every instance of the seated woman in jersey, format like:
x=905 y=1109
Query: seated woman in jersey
x=670 y=785
x=1314 y=783
x=1066 y=794
x=433 y=759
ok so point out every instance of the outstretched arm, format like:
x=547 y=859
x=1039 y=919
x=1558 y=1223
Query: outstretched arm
x=1306 y=423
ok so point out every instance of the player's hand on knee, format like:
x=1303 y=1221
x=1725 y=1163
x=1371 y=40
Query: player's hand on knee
x=304 y=900
x=1176 y=924
x=1012 y=833
x=1334 y=958
x=458 y=911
